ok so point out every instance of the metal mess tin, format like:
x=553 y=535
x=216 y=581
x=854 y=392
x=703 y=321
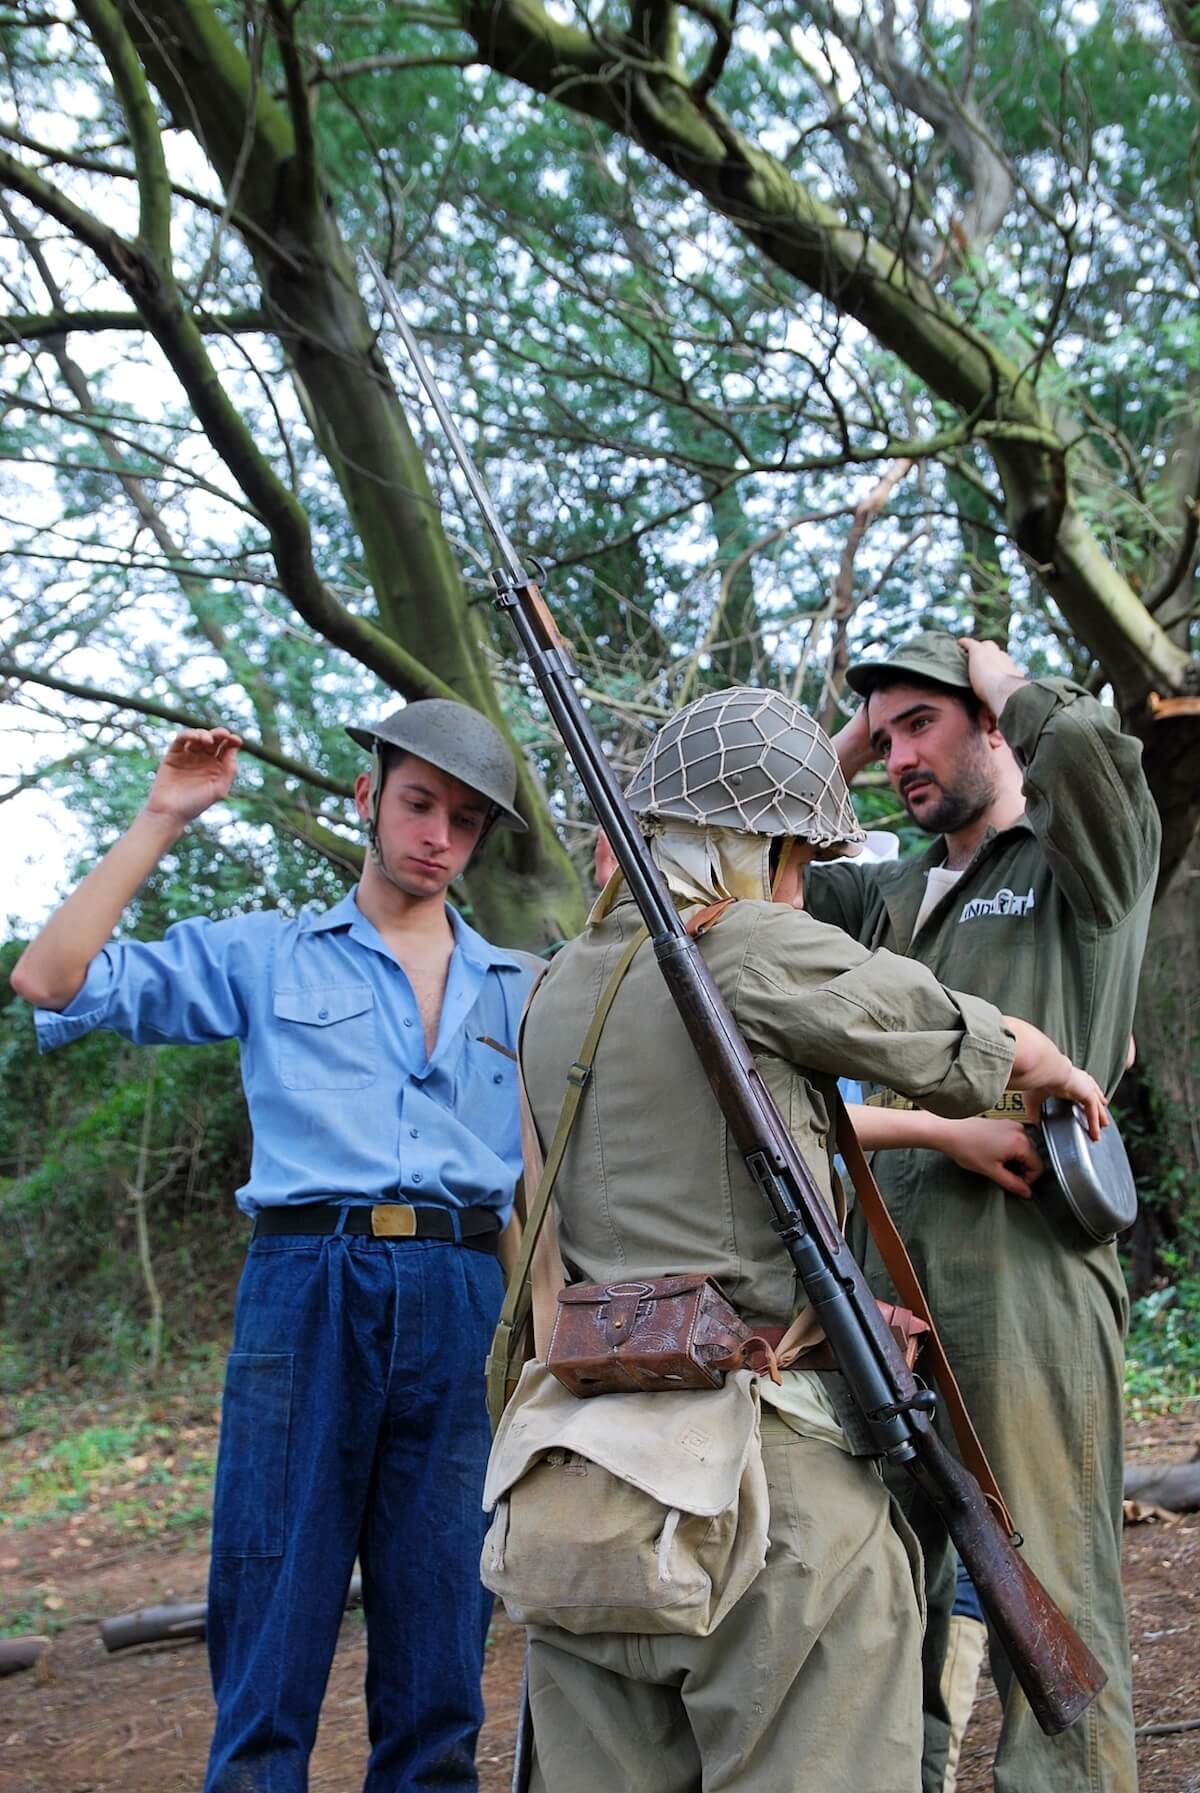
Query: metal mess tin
x=1094 y=1175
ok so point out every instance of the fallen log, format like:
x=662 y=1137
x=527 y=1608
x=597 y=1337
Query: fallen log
x=153 y=1625
x=1175 y=1486
x=171 y=1624
x=17 y=1653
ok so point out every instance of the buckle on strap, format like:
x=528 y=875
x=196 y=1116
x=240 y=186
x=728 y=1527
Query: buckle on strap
x=394 y=1220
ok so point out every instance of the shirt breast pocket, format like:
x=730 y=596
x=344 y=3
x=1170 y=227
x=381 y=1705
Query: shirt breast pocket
x=326 y=1038
x=486 y=1082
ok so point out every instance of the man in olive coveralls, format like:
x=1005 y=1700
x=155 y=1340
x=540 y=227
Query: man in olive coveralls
x=810 y=1684
x=1036 y=893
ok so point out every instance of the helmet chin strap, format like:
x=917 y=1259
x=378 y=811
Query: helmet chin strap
x=374 y=795
x=374 y=802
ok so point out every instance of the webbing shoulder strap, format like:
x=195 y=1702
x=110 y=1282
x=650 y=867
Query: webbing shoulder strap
x=514 y=1315
x=899 y=1267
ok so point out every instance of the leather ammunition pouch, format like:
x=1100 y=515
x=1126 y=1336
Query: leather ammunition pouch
x=656 y=1333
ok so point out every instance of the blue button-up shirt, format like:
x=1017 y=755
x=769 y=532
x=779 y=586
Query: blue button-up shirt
x=344 y=1103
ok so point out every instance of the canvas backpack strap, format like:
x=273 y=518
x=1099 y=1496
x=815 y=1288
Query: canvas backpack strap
x=905 y=1281
x=503 y=1364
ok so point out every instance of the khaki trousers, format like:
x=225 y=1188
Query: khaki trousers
x=810 y=1685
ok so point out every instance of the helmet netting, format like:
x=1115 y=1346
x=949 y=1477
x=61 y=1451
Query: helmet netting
x=750 y=760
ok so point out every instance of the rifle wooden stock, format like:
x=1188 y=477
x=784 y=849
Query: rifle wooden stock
x=1059 y=1674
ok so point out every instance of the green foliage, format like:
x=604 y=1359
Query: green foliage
x=1162 y=1365
x=98 y=1464
x=70 y=1127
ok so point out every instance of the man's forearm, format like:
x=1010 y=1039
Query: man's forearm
x=899 y=1129
x=51 y=970
x=852 y=745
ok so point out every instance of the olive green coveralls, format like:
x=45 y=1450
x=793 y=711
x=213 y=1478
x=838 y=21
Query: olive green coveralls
x=1048 y=921
x=811 y=1684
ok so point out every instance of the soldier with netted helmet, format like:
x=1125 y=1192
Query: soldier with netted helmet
x=377 y=1042
x=812 y=1679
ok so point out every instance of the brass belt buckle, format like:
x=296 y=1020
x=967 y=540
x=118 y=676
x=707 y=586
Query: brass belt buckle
x=888 y=1098
x=394 y=1220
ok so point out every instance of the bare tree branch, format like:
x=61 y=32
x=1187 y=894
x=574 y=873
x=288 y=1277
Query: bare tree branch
x=142 y=706
x=176 y=333
x=842 y=608
x=388 y=65
x=48 y=326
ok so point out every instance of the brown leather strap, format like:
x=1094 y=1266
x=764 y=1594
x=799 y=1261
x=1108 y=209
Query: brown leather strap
x=707 y=918
x=907 y=1328
x=899 y=1267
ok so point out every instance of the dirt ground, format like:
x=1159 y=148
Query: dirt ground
x=84 y=1722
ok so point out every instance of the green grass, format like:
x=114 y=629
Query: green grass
x=136 y=1459
x=32 y=1621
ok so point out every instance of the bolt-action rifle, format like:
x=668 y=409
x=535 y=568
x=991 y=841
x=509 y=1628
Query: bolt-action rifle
x=1058 y=1673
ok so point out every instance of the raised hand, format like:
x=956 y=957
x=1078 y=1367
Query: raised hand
x=852 y=744
x=994 y=674
x=197 y=771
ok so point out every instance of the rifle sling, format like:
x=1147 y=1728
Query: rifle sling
x=905 y=1281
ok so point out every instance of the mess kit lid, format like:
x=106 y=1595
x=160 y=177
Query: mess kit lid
x=1093 y=1174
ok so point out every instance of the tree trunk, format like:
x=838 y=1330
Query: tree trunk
x=605 y=76
x=527 y=891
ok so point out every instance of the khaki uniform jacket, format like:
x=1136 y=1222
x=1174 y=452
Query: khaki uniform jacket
x=651 y=1183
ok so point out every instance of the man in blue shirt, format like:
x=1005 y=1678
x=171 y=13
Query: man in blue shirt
x=377 y=1057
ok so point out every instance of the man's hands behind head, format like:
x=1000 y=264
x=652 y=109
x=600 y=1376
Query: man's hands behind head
x=994 y=675
x=852 y=744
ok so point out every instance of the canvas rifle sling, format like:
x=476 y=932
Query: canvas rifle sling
x=518 y=1299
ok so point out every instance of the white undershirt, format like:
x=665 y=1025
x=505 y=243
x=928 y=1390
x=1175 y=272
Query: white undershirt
x=938 y=880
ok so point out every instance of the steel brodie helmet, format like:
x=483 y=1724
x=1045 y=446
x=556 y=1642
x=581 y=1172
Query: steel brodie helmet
x=749 y=760
x=456 y=739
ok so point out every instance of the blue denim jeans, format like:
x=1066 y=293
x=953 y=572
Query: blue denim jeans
x=354 y=1423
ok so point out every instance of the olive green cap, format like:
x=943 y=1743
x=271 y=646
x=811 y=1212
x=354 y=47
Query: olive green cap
x=932 y=655
x=456 y=739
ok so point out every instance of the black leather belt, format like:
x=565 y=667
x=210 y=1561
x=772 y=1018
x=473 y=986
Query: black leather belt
x=478 y=1228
